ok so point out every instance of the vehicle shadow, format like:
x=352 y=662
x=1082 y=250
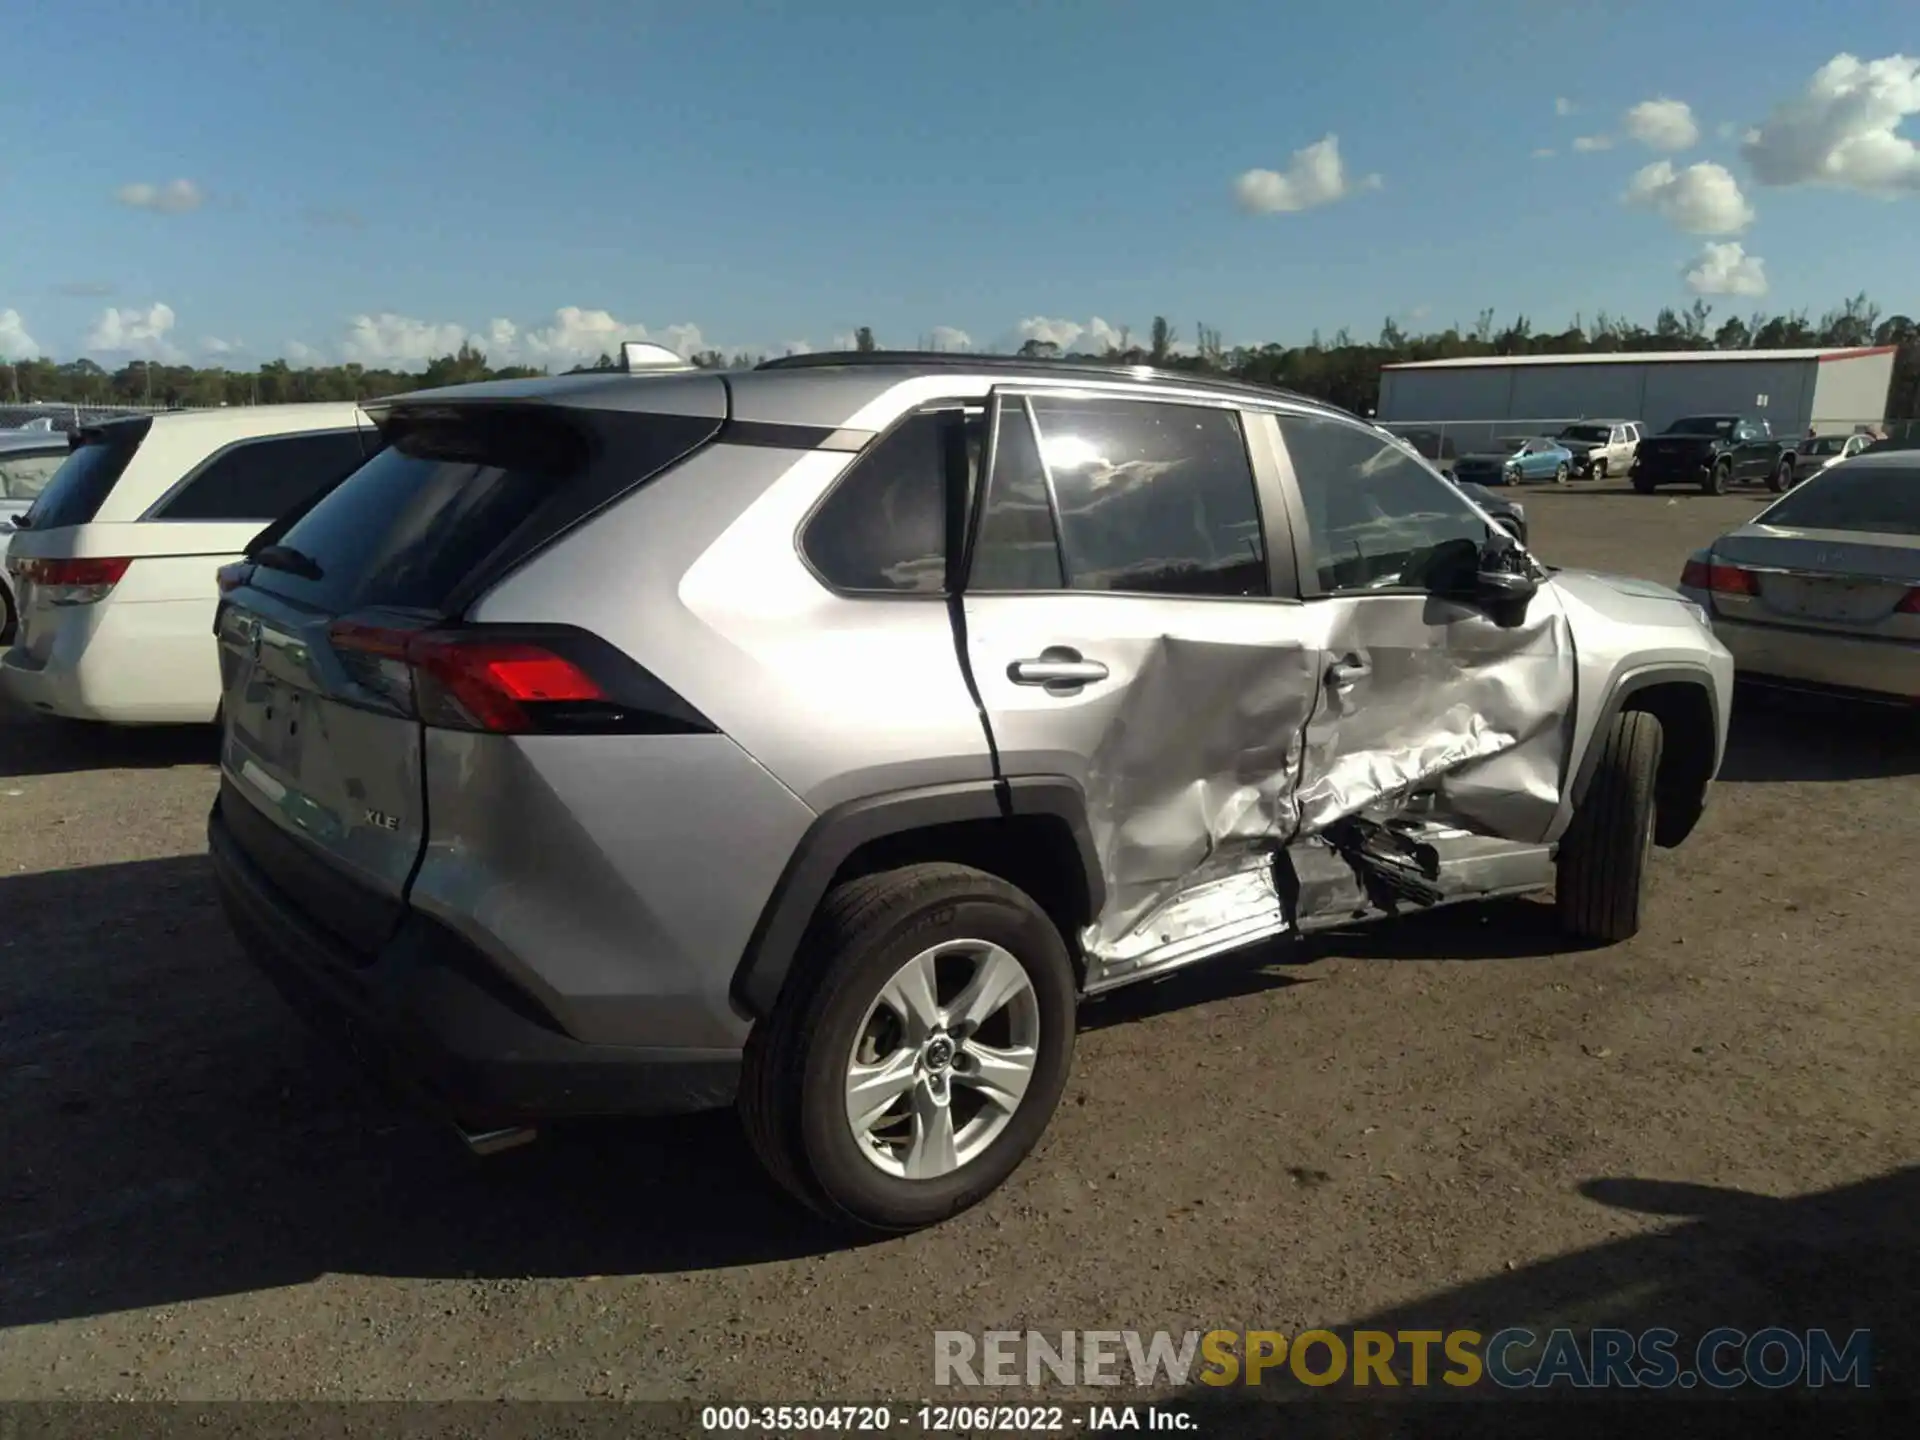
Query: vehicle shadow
x=1841 y=1260
x=1777 y=736
x=1257 y=970
x=40 y=745
x=1515 y=929
x=172 y=1132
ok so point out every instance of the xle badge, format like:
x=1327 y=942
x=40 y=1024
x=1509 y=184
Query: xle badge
x=383 y=820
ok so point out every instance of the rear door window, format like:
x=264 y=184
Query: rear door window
x=80 y=487
x=259 y=480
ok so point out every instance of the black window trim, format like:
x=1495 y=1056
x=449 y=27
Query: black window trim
x=971 y=407
x=1275 y=531
x=152 y=516
x=1306 y=564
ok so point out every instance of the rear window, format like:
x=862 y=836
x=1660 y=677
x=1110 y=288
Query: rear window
x=449 y=495
x=1878 y=499
x=80 y=486
x=1597 y=434
x=1701 y=425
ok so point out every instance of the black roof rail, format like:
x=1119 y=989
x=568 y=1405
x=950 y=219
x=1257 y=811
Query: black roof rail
x=1102 y=369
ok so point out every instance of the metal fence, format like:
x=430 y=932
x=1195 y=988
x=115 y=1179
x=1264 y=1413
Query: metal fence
x=43 y=415
x=1444 y=441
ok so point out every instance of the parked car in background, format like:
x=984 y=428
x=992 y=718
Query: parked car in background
x=1517 y=460
x=523 y=785
x=1434 y=445
x=1601 y=447
x=1817 y=452
x=113 y=566
x=1511 y=515
x=1821 y=590
x=1713 y=452
x=28 y=459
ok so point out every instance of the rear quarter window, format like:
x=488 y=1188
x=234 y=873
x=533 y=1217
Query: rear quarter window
x=80 y=486
x=261 y=479
x=1868 y=499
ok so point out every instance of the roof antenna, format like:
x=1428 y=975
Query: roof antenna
x=640 y=356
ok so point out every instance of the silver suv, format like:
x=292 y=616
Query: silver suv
x=815 y=737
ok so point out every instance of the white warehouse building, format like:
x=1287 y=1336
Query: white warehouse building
x=1825 y=389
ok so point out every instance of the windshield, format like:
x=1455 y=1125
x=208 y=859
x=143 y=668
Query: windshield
x=1596 y=434
x=1701 y=425
x=1513 y=442
x=1878 y=499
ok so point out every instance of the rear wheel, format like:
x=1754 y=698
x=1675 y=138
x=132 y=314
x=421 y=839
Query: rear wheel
x=1718 y=478
x=1598 y=470
x=1560 y=474
x=1643 y=484
x=910 y=1068
x=1601 y=886
x=1782 y=477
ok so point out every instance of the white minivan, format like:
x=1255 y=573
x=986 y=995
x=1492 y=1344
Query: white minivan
x=115 y=567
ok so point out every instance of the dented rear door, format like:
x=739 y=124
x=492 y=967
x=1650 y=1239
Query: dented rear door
x=1126 y=627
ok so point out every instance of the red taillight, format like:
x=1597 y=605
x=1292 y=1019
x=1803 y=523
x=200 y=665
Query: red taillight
x=477 y=684
x=1909 y=603
x=92 y=573
x=1720 y=579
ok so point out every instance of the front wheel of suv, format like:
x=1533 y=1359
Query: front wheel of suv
x=919 y=1054
x=1601 y=886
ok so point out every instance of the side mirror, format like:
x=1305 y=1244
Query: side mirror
x=1504 y=580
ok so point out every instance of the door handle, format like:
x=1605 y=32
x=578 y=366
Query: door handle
x=1348 y=669
x=1060 y=668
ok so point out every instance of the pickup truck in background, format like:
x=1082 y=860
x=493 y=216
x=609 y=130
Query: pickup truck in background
x=1713 y=452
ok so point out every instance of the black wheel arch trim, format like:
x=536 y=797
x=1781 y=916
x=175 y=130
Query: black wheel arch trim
x=837 y=833
x=1623 y=688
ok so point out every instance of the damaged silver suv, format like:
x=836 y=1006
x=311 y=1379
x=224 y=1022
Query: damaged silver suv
x=815 y=737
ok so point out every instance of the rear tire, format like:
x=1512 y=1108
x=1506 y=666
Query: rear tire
x=868 y=934
x=1598 y=470
x=1782 y=477
x=1718 y=479
x=1642 y=485
x=1560 y=474
x=1601 y=886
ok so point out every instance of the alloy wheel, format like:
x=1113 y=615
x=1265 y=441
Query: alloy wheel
x=942 y=1059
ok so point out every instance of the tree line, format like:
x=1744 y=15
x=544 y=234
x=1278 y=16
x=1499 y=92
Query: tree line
x=1340 y=368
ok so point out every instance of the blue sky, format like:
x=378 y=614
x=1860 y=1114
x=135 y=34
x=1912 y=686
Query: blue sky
x=377 y=180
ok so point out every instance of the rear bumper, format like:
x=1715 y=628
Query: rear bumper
x=140 y=663
x=1823 y=660
x=423 y=1016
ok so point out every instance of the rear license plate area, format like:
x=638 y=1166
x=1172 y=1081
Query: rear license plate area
x=1834 y=601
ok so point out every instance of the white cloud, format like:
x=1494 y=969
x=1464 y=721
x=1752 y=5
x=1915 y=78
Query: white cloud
x=1663 y=125
x=1588 y=143
x=1563 y=106
x=1095 y=337
x=795 y=347
x=398 y=342
x=946 y=337
x=1316 y=176
x=1726 y=129
x=1725 y=268
x=1545 y=152
x=1702 y=199
x=1843 y=130
x=176 y=197
x=15 y=342
x=136 y=333
x=301 y=353
x=214 y=345
x=682 y=339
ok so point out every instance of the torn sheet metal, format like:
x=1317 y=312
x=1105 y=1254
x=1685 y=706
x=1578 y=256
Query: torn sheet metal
x=1219 y=756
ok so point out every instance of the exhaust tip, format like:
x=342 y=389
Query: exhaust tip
x=492 y=1142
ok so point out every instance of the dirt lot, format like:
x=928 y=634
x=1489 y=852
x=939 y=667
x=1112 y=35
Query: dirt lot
x=1454 y=1119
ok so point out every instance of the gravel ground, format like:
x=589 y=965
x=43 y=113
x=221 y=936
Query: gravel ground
x=1451 y=1119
